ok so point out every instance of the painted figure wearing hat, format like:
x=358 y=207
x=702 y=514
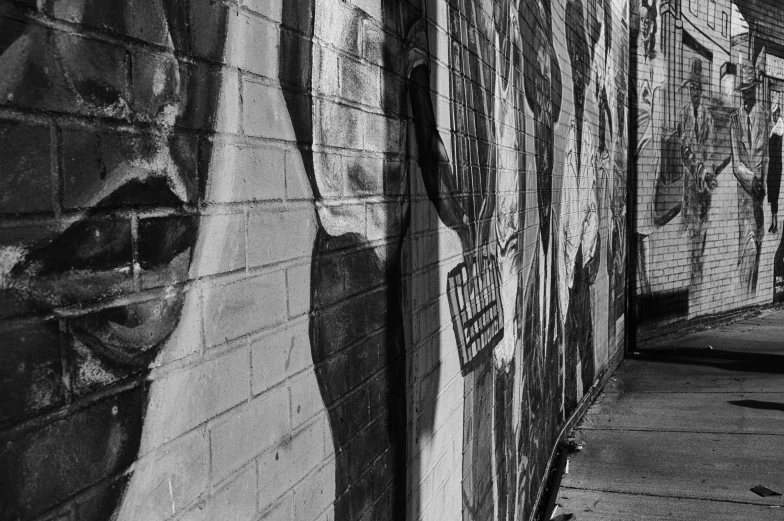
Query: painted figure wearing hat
x=749 y=141
x=648 y=17
x=695 y=131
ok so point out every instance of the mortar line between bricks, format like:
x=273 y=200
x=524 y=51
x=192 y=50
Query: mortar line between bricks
x=370 y=468
x=208 y=209
x=65 y=360
x=243 y=8
x=95 y=121
x=80 y=309
x=68 y=503
x=56 y=170
x=117 y=39
x=78 y=404
x=670 y=496
x=362 y=385
x=194 y=361
x=217 y=488
x=135 y=266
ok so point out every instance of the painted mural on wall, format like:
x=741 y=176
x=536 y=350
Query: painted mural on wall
x=516 y=131
x=706 y=154
x=538 y=219
x=91 y=294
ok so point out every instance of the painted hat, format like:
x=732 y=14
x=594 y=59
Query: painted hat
x=648 y=11
x=748 y=76
x=695 y=76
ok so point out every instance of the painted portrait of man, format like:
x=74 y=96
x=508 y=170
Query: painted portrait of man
x=696 y=132
x=100 y=188
x=750 y=133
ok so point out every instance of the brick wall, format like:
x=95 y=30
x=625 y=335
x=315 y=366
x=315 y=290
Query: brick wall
x=304 y=259
x=705 y=241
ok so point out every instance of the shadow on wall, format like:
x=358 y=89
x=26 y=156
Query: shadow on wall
x=356 y=307
x=729 y=360
x=95 y=246
x=521 y=307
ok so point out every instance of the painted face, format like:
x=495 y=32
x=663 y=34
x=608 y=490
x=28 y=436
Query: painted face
x=695 y=93
x=749 y=97
x=90 y=281
x=647 y=27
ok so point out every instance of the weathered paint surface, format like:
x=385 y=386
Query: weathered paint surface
x=304 y=259
x=707 y=157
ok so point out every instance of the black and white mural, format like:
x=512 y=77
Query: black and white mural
x=707 y=156
x=410 y=345
x=517 y=113
x=92 y=270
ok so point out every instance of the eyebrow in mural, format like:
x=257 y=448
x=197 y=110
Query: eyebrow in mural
x=90 y=295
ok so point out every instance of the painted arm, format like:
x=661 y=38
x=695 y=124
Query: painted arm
x=433 y=159
x=749 y=172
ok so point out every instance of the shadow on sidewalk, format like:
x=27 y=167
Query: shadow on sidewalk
x=758 y=404
x=727 y=360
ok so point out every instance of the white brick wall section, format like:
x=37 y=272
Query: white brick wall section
x=248 y=431
x=202 y=392
x=283 y=467
x=168 y=480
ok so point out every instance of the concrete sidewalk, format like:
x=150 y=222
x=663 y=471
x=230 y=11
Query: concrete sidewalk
x=684 y=430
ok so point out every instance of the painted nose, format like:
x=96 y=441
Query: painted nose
x=156 y=87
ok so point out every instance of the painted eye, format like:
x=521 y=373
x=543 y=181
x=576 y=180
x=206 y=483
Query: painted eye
x=130 y=335
x=103 y=241
x=162 y=239
x=90 y=264
x=90 y=244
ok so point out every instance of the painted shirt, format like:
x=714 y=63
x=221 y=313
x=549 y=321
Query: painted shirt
x=579 y=217
x=750 y=134
x=696 y=131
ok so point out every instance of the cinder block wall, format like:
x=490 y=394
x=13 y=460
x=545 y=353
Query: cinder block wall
x=304 y=259
x=707 y=75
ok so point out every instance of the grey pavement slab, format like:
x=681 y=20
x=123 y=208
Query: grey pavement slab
x=713 y=375
x=684 y=431
x=750 y=413
x=720 y=467
x=612 y=506
x=760 y=334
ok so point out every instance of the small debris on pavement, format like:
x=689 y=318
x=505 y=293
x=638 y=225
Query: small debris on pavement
x=710 y=347
x=764 y=491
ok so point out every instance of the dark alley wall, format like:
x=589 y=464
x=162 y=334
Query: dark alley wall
x=305 y=259
x=707 y=79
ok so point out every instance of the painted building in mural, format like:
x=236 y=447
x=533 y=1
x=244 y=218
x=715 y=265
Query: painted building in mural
x=707 y=158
